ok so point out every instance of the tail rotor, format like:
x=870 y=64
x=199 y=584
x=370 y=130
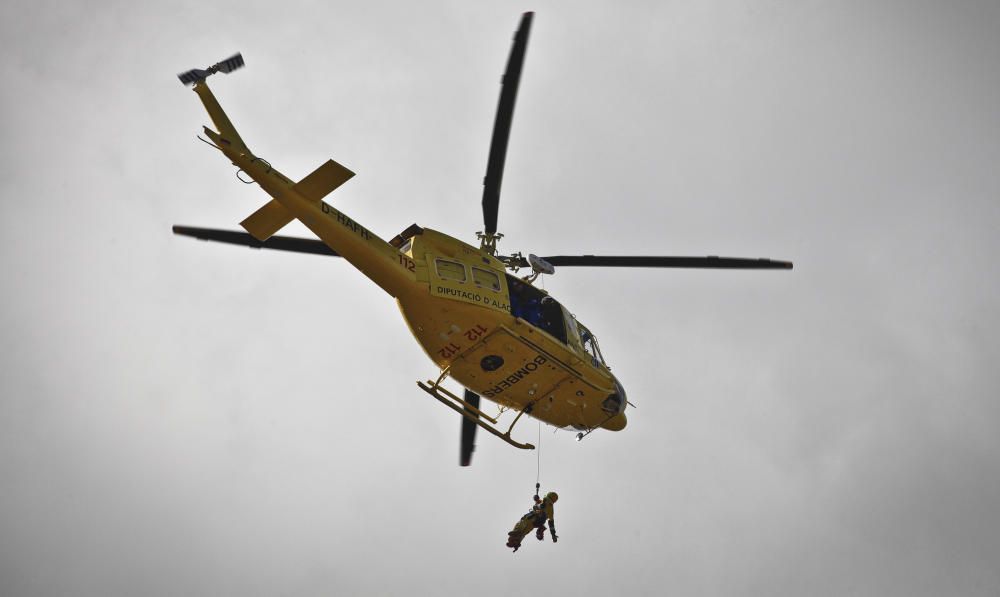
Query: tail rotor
x=197 y=75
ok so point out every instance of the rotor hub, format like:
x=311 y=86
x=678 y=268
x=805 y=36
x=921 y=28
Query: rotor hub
x=488 y=241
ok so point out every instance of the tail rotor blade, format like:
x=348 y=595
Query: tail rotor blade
x=197 y=75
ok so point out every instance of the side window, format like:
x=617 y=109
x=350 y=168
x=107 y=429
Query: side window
x=486 y=279
x=589 y=343
x=586 y=339
x=450 y=270
x=574 y=332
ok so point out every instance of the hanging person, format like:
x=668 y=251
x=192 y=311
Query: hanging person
x=542 y=512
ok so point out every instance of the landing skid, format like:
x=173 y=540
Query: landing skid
x=471 y=412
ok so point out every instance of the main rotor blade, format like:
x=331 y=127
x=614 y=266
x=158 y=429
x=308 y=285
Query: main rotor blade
x=469 y=430
x=711 y=262
x=501 y=127
x=281 y=243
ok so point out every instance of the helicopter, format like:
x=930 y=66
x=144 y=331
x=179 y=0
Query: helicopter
x=496 y=334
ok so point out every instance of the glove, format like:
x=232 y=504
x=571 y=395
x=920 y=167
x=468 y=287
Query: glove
x=555 y=539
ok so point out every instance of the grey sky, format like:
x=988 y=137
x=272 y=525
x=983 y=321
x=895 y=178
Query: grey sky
x=174 y=421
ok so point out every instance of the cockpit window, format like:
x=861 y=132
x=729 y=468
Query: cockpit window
x=590 y=345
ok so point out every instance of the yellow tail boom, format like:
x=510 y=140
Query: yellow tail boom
x=377 y=259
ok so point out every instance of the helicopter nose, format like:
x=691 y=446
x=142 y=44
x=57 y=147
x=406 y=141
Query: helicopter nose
x=616 y=401
x=615 y=405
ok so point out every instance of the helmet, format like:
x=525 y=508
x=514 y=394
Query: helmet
x=553 y=496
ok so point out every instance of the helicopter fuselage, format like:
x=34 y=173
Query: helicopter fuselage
x=495 y=334
x=503 y=338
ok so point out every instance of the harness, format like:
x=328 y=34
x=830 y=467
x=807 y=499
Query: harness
x=537 y=513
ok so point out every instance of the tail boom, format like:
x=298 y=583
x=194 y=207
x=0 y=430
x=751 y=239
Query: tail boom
x=391 y=270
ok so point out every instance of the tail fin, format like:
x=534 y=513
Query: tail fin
x=271 y=218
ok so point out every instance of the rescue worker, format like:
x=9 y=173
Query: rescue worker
x=540 y=513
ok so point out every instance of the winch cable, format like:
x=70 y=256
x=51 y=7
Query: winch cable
x=538 y=460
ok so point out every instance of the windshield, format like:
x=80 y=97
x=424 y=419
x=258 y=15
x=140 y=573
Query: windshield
x=590 y=346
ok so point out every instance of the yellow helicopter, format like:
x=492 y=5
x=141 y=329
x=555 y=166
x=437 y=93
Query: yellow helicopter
x=494 y=333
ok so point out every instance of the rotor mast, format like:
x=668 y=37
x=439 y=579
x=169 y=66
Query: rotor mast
x=488 y=242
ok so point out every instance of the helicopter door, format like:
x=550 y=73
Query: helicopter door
x=512 y=372
x=537 y=308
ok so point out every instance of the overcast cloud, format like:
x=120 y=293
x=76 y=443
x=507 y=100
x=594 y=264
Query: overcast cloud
x=181 y=418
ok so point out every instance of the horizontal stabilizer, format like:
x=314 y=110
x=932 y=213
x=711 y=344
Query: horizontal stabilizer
x=267 y=220
x=271 y=218
x=323 y=180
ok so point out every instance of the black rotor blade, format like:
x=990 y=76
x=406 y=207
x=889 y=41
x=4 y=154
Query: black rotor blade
x=710 y=262
x=280 y=243
x=501 y=127
x=469 y=430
